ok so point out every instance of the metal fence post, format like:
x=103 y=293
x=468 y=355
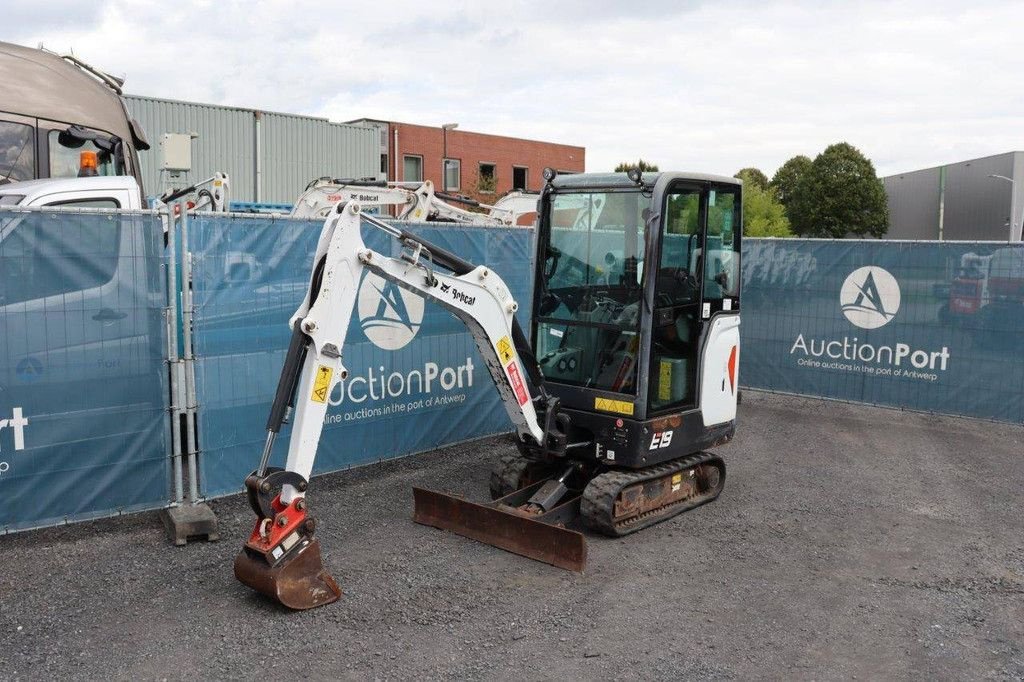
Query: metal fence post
x=171 y=318
x=189 y=367
x=194 y=519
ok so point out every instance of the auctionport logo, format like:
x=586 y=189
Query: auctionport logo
x=870 y=297
x=389 y=315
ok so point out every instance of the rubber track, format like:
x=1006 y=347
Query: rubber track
x=507 y=475
x=598 y=504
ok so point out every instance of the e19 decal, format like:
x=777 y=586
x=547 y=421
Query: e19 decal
x=661 y=440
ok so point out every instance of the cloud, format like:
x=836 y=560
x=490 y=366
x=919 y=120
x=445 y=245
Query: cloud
x=25 y=22
x=693 y=86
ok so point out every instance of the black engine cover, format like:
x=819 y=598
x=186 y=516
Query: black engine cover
x=633 y=444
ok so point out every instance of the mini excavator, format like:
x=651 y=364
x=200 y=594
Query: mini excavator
x=628 y=376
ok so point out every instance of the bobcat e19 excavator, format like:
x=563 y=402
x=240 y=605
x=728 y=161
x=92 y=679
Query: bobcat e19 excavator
x=628 y=375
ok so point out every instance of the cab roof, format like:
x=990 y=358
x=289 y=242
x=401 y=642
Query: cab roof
x=621 y=180
x=41 y=84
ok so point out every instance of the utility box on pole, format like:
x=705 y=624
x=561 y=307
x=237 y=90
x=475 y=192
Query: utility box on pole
x=176 y=152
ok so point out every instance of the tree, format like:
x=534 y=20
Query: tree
x=840 y=195
x=763 y=215
x=752 y=176
x=785 y=180
x=644 y=166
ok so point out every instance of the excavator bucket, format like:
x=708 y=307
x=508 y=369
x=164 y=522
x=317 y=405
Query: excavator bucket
x=300 y=581
x=503 y=524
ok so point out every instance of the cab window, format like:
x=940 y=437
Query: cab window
x=676 y=329
x=722 y=266
x=17 y=152
x=98 y=202
x=65 y=156
x=590 y=294
x=678 y=282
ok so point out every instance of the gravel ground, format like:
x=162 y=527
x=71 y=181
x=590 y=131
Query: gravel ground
x=850 y=542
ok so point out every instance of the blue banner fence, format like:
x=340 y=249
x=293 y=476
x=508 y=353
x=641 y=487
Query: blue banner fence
x=89 y=334
x=930 y=326
x=83 y=387
x=416 y=380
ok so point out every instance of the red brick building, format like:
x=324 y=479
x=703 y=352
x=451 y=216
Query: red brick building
x=479 y=165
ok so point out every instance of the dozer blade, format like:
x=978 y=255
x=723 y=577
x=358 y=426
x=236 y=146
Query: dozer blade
x=299 y=581
x=501 y=526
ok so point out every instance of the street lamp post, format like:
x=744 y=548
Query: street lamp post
x=444 y=155
x=1013 y=196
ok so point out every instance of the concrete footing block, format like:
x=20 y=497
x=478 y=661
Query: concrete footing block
x=189 y=522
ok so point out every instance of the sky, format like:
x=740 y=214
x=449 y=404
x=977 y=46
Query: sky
x=692 y=86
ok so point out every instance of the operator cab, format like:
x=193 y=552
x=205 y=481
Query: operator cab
x=630 y=348
x=58 y=110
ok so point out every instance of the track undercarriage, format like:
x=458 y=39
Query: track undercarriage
x=537 y=507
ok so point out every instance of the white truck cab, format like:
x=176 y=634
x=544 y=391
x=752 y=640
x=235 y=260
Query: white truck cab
x=114 y=191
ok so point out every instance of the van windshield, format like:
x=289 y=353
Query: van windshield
x=17 y=152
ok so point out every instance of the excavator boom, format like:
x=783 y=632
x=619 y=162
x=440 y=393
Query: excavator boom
x=414 y=202
x=282 y=557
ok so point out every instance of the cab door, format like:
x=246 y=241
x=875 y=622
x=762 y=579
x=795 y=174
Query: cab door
x=676 y=323
x=720 y=305
x=695 y=326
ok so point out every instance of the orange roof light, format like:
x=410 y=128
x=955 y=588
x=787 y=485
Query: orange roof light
x=88 y=162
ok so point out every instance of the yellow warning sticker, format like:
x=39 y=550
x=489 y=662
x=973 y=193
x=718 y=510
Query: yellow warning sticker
x=322 y=384
x=612 y=405
x=505 y=351
x=677 y=479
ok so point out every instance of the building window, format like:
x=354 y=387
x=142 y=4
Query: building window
x=520 y=176
x=412 y=169
x=452 y=174
x=488 y=178
x=384 y=163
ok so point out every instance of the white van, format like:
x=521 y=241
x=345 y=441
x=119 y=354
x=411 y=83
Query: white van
x=77 y=291
x=116 y=191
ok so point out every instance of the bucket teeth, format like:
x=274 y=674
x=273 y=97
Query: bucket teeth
x=299 y=581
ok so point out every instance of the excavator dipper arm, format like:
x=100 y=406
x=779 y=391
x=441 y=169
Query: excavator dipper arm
x=282 y=558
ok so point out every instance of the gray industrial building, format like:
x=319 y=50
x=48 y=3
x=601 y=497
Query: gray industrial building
x=980 y=199
x=269 y=157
